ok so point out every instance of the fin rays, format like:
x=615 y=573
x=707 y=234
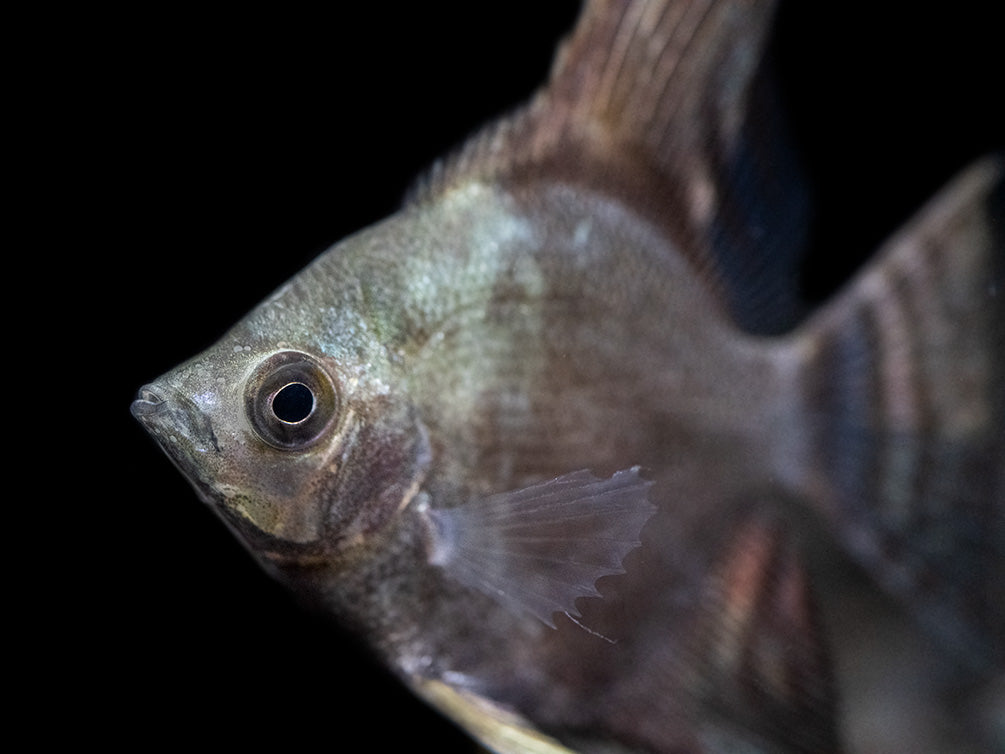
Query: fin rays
x=901 y=399
x=540 y=548
x=663 y=108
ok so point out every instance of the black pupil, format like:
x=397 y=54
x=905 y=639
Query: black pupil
x=293 y=403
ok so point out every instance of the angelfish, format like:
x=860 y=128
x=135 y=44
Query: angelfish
x=559 y=440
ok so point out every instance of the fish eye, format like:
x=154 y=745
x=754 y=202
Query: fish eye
x=294 y=403
x=290 y=400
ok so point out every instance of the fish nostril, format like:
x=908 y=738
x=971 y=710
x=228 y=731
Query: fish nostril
x=148 y=395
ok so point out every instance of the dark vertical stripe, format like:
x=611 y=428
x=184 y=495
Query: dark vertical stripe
x=923 y=308
x=899 y=436
x=762 y=660
x=845 y=399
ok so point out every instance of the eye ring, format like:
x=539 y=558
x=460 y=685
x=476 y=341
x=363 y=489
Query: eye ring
x=290 y=400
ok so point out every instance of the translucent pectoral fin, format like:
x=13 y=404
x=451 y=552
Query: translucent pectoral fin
x=537 y=549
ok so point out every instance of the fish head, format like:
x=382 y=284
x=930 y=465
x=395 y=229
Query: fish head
x=301 y=443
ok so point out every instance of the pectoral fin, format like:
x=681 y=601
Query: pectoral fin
x=540 y=548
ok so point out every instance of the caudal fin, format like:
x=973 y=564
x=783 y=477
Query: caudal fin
x=904 y=382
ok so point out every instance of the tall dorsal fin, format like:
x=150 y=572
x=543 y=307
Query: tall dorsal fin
x=659 y=105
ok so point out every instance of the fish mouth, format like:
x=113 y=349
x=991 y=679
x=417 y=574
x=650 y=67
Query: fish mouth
x=147 y=403
x=177 y=425
x=183 y=433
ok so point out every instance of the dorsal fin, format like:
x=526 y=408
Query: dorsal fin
x=660 y=105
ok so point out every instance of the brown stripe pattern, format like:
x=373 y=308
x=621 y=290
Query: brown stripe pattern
x=903 y=420
x=761 y=667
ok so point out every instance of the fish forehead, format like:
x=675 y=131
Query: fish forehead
x=354 y=290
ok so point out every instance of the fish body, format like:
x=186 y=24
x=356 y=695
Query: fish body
x=558 y=441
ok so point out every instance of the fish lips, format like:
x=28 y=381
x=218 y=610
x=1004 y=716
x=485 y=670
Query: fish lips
x=181 y=430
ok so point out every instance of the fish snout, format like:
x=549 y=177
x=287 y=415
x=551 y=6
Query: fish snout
x=147 y=403
x=174 y=421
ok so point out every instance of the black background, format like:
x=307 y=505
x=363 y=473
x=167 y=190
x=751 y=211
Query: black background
x=182 y=164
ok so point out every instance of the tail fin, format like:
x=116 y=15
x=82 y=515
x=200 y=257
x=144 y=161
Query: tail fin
x=904 y=383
